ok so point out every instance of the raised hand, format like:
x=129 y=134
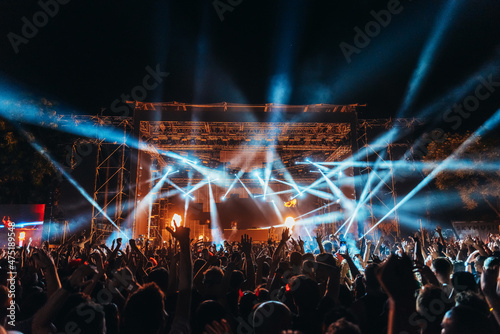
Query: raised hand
x=468 y=241
x=180 y=233
x=433 y=251
x=301 y=243
x=77 y=279
x=42 y=259
x=98 y=262
x=246 y=244
x=285 y=235
x=319 y=236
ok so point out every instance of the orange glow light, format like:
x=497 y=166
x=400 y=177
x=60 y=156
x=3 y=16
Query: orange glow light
x=176 y=219
x=289 y=222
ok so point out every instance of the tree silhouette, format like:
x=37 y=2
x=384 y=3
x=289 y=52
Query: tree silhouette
x=473 y=183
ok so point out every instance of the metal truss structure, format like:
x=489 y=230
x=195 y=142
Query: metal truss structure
x=209 y=133
x=112 y=178
x=384 y=196
x=214 y=134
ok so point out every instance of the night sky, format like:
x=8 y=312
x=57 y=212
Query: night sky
x=91 y=52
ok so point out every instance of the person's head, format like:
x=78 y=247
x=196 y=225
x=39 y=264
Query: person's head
x=144 y=311
x=88 y=317
x=160 y=277
x=327 y=246
x=490 y=262
x=206 y=313
x=305 y=293
x=271 y=317
x=212 y=277
x=343 y=326
x=308 y=257
x=295 y=259
x=262 y=294
x=432 y=304
x=443 y=268
x=246 y=303
x=465 y=320
x=236 y=280
x=197 y=265
x=464 y=281
x=212 y=280
x=309 y=268
x=326 y=258
x=474 y=301
x=478 y=265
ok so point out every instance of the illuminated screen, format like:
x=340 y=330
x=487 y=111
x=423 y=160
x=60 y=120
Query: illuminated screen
x=27 y=220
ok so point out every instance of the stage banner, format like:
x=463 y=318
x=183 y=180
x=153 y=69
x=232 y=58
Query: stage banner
x=475 y=228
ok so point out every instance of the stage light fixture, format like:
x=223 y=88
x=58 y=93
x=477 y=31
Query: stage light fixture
x=176 y=220
x=289 y=222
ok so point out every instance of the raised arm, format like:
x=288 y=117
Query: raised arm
x=366 y=256
x=46 y=264
x=246 y=247
x=42 y=320
x=441 y=239
x=396 y=278
x=376 y=251
x=319 y=241
x=183 y=307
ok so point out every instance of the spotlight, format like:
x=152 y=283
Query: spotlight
x=223 y=198
x=289 y=222
x=176 y=220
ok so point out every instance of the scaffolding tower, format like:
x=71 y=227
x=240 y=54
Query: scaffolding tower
x=380 y=182
x=112 y=178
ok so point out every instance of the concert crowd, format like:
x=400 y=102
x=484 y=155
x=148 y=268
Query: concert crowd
x=424 y=283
